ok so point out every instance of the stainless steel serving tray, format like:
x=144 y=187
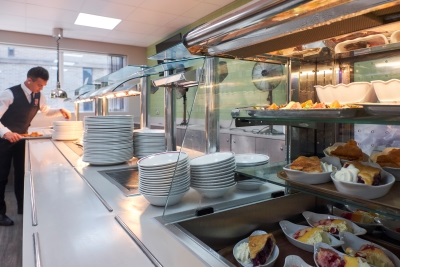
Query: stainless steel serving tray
x=305 y=113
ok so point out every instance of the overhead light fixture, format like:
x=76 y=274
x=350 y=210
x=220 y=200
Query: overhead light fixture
x=57 y=92
x=97 y=21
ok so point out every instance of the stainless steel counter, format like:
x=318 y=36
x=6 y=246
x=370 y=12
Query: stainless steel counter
x=74 y=216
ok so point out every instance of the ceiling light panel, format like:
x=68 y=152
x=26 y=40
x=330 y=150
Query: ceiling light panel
x=97 y=21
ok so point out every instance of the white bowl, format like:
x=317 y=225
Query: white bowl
x=363 y=191
x=372 y=40
x=355 y=243
x=289 y=229
x=387 y=91
x=327 y=152
x=213 y=193
x=395 y=37
x=249 y=184
x=312 y=218
x=394 y=171
x=370 y=227
x=321 y=245
x=313 y=177
x=270 y=261
x=295 y=261
x=162 y=200
x=355 y=92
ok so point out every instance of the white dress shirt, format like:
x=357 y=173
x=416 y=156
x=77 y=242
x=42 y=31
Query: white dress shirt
x=6 y=99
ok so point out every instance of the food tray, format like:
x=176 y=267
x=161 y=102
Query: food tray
x=305 y=113
x=383 y=109
x=46 y=134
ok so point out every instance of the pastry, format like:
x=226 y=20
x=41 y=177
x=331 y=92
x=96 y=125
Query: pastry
x=389 y=157
x=367 y=174
x=312 y=236
x=329 y=258
x=373 y=255
x=333 y=226
x=348 y=151
x=32 y=135
x=260 y=248
x=360 y=216
x=307 y=164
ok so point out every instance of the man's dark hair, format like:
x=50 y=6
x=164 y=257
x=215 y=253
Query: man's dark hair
x=38 y=72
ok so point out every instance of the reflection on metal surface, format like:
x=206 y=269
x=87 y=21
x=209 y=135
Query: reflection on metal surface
x=184 y=79
x=125 y=179
x=36 y=243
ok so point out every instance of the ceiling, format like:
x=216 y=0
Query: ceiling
x=144 y=22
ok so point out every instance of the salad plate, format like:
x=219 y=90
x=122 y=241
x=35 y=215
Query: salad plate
x=290 y=229
x=354 y=243
x=245 y=260
x=312 y=219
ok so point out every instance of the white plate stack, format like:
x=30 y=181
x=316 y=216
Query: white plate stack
x=251 y=159
x=164 y=178
x=67 y=130
x=148 y=141
x=212 y=175
x=108 y=140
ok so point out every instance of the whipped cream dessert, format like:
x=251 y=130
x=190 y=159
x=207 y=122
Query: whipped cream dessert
x=242 y=253
x=312 y=236
x=348 y=174
x=327 y=167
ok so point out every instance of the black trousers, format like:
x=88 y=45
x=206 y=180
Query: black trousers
x=12 y=152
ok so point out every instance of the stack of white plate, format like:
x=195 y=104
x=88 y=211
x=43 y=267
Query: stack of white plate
x=67 y=130
x=148 y=141
x=212 y=175
x=164 y=178
x=108 y=140
x=251 y=159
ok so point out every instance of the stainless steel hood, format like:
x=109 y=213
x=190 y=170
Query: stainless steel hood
x=269 y=25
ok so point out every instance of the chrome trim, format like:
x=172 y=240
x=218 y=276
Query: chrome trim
x=138 y=242
x=36 y=243
x=269 y=25
x=32 y=192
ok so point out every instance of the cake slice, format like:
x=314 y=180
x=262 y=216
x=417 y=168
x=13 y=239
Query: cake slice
x=260 y=248
x=348 y=151
x=307 y=164
x=312 y=236
x=368 y=175
x=374 y=256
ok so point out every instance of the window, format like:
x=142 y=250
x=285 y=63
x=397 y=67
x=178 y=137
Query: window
x=80 y=71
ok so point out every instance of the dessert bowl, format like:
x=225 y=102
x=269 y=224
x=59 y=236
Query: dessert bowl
x=364 y=191
x=270 y=261
x=312 y=218
x=387 y=91
x=355 y=243
x=295 y=261
x=313 y=177
x=290 y=229
x=370 y=224
x=249 y=184
x=321 y=245
x=393 y=170
x=327 y=152
x=355 y=92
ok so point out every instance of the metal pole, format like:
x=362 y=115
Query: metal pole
x=211 y=107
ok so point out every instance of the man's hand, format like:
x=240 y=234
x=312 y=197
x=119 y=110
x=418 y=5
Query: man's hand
x=12 y=137
x=66 y=113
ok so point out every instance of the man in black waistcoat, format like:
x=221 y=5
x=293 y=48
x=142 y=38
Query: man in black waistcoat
x=18 y=106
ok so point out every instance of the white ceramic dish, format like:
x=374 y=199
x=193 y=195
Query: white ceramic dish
x=270 y=261
x=387 y=91
x=395 y=37
x=162 y=200
x=289 y=229
x=363 y=191
x=295 y=261
x=394 y=171
x=371 y=40
x=369 y=227
x=249 y=184
x=320 y=245
x=313 y=178
x=312 y=218
x=212 y=159
x=354 y=242
x=251 y=159
x=213 y=193
x=346 y=93
x=327 y=152
x=162 y=159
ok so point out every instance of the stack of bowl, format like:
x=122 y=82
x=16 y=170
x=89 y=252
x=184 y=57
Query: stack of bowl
x=164 y=178
x=212 y=175
x=148 y=141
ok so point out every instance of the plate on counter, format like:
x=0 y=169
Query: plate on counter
x=312 y=219
x=251 y=159
x=381 y=109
